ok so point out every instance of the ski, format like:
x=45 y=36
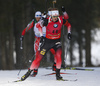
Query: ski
x=15 y=81
x=57 y=80
x=67 y=80
x=60 y=73
x=18 y=80
x=72 y=68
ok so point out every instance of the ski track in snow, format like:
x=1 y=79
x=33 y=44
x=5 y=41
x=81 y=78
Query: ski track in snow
x=85 y=78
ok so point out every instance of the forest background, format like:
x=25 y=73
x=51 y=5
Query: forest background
x=84 y=16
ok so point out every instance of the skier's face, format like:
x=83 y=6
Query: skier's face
x=54 y=18
x=54 y=15
x=38 y=18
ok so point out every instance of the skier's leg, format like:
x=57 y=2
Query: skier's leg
x=54 y=64
x=33 y=66
x=36 y=45
x=35 y=71
x=58 y=63
x=36 y=62
x=39 y=56
x=58 y=50
x=58 y=58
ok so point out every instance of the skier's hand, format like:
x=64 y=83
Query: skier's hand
x=21 y=38
x=63 y=9
x=42 y=39
x=44 y=15
x=69 y=36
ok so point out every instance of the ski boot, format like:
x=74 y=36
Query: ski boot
x=26 y=75
x=58 y=76
x=54 y=67
x=34 y=73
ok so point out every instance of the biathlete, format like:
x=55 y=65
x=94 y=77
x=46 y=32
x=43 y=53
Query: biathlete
x=31 y=25
x=66 y=17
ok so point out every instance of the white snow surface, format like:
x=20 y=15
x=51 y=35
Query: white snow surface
x=85 y=78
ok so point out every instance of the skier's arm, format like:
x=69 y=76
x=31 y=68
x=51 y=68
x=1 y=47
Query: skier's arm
x=29 y=26
x=65 y=15
x=41 y=24
x=68 y=25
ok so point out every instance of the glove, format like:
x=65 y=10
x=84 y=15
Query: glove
x=44 y=15
x=63 y=9
x=44 y=12
x=69 y=36
x=21 y=38
x=42 y=39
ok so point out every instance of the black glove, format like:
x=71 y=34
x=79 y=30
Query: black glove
x=44 y=15
x=42 y=39
x=69 y=36
x=21 y=38
x=63 y=9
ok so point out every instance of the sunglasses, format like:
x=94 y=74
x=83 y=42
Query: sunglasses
x=55 y=16
x=38 y=16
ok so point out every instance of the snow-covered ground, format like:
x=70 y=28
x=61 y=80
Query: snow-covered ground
x=85 y=78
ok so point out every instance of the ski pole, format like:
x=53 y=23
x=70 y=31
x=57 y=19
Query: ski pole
x=21 y=45
x=35 y=52
x=24 y=60
x=66 y=52
x=26 y=57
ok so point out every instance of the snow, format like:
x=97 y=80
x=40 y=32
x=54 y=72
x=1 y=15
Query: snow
x=85 y=78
